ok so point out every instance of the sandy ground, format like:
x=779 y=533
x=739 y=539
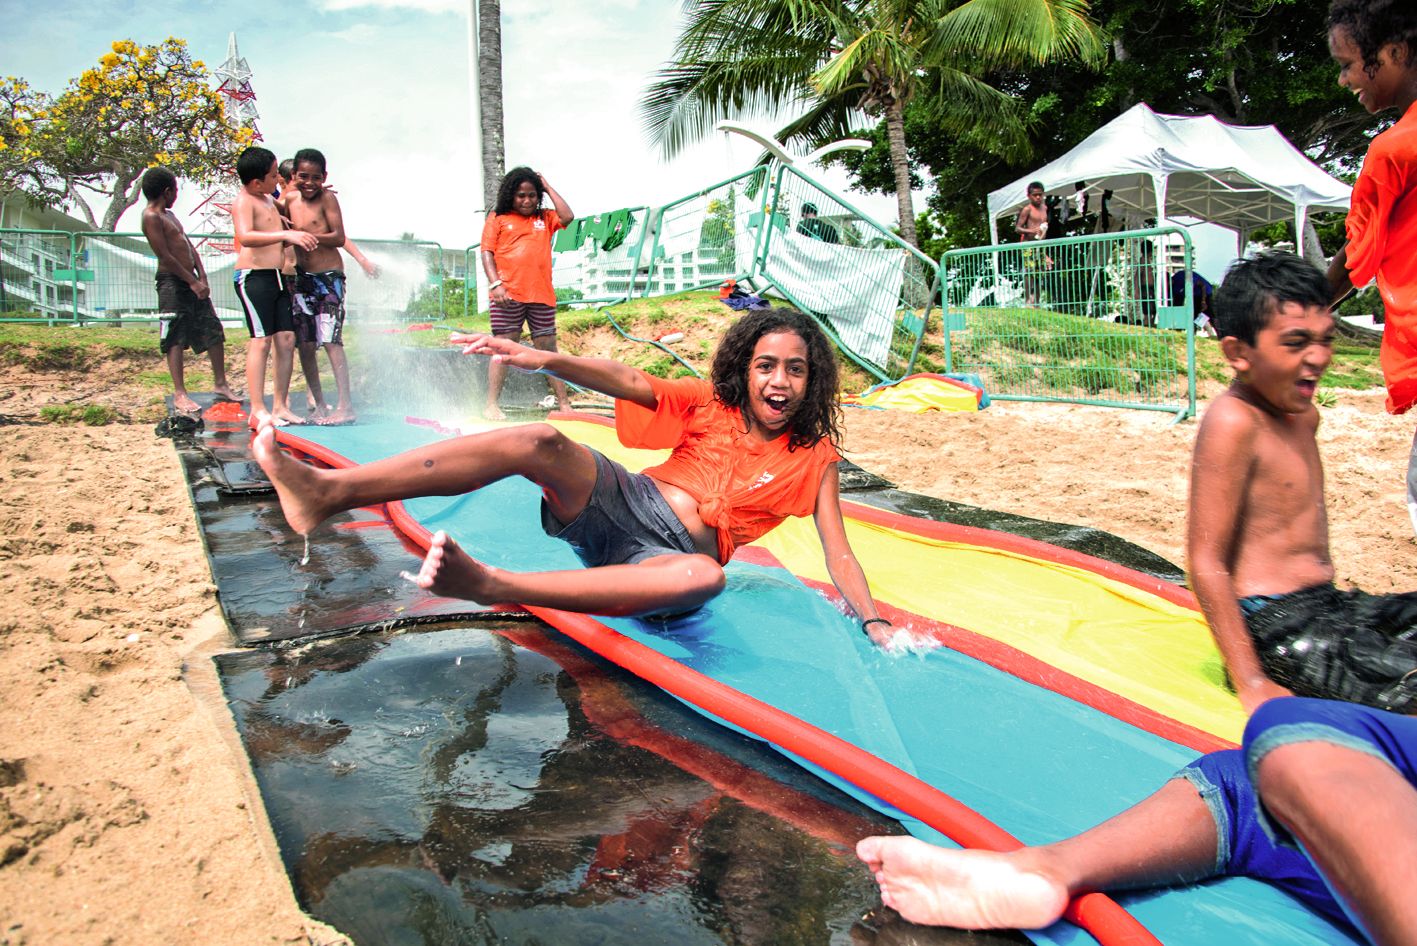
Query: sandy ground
x=126 y=813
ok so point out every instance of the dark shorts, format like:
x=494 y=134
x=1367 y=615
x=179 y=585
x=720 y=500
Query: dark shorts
x=508 y=318
x=184 y=320
x=317 y=307
x=1248 y=842
x=265 y=301
x=626 y=520
x=1339 y=645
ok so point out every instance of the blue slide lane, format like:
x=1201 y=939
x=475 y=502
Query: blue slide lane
x=1038 y=764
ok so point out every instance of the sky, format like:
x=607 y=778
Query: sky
x=381 y=87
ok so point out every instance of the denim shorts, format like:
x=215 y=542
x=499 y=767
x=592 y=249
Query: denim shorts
x=1248 y=842
x=625 y=521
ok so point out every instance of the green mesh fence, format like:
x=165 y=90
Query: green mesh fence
x=110 y=277
x=1086 y=319
x=38 y=280
x=703 y=239
x=872 y=291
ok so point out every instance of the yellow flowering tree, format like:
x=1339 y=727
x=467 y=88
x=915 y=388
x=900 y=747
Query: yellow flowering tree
x=140 y=106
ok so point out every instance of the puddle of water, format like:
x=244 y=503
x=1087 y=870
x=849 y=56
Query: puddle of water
x=451 y=786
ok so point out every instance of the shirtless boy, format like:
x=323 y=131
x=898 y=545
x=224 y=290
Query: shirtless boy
x=1321 y=800
x=1032 y=224
x=183 y=296
x=318 y=300
x=1257 y=545
x=261 y=237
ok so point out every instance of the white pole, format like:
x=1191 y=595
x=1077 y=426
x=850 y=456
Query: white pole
x=479 y=213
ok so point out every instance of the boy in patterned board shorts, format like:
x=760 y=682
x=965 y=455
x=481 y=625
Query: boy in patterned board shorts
x=184 y=298
x=516 y=256
x=317 y=304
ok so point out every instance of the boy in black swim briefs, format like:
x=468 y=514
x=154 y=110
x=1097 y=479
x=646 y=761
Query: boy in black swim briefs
x=261 y=236
x=1257 y=548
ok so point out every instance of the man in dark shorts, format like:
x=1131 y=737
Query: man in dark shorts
x=184 y=299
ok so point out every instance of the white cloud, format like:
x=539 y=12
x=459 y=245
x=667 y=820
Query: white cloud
x=360 y=34
x=421 y=6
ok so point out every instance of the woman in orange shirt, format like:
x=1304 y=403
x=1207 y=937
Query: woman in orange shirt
x=752 y=446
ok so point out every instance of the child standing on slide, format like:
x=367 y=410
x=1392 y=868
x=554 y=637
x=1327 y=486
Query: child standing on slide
x=753 y=445
x=516 y=256
x=1375 y=45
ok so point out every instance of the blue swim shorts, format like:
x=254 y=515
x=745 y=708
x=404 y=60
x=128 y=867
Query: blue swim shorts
x=1248 y=842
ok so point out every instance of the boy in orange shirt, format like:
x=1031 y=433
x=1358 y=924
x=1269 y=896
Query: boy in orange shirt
x=1375 y=45
x=516 y=256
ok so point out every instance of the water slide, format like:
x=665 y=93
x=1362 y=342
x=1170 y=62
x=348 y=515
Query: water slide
x=1062 y=688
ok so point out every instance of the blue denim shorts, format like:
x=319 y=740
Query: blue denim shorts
x=1248 y=842
x=625 y=521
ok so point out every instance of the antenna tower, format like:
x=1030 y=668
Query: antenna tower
x=215 y=208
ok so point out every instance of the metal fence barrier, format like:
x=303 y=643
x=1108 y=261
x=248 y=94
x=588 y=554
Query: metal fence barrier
x=871 y=290
x=701 y=240
x=54 y=276
x=1105 y=319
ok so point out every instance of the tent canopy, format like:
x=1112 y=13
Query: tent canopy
x=1168 y=166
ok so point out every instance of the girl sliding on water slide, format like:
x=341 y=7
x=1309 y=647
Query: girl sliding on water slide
x=753 y=445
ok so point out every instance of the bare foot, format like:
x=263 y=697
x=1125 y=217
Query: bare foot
x=284 y=415
x=973 y=890
x=342 y=415
x=319 y=413
x=493 y=412
x=183 y=402
x=224 y=392
x=298 y=485
x=449 y=571
x=257 y=417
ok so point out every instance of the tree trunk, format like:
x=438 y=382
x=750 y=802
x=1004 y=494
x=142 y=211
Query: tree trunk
x=489 y=86
x=900 y=163
x=125 y=194
x=1310 y=247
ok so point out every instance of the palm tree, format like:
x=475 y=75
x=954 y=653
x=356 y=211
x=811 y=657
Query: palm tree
x=833 y=61
x=488 y=23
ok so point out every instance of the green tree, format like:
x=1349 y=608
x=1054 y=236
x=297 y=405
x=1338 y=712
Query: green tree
x=140 y=106
x=1244 y=61
x=829 y=61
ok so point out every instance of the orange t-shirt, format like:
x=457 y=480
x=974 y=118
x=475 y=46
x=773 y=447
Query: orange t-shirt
x=1382 y=243
x=521 y=248
x=743 y=487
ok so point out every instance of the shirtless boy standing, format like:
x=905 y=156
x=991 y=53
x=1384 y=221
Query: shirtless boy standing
x=1257 y=545
x=1032 y=224
x=318 y=300
x=261 y=237
x=183 y=296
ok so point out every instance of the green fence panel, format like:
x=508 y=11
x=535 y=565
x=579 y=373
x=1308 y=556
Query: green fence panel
x=1085 y=319
x=124 y=269
x=700 y=240
x=38 y=277
x=472 y=272
x=871 y=290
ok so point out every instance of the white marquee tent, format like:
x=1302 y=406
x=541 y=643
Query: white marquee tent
x=1170 y=166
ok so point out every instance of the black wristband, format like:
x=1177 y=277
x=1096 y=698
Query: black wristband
x=869 y=621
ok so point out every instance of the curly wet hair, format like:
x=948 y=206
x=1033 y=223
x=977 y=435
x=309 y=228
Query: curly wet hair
x=818 y=417
x=1375 y=23
x=507 y=190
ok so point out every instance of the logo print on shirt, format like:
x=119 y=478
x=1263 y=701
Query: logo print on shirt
x=539 y=224
x=763 y=480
